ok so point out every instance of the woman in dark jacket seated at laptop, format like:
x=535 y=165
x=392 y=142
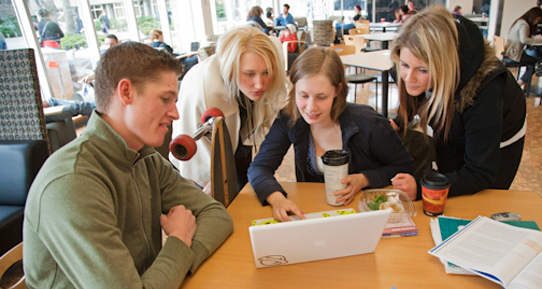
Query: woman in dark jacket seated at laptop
x=317 y=119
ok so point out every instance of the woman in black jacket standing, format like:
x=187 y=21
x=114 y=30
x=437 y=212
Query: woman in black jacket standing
x=451 y=79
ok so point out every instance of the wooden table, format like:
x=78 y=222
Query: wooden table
x=401 y=262
x=377 y=60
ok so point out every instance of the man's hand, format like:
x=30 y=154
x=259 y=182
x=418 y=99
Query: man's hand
x=281 y=206
x=180 y=223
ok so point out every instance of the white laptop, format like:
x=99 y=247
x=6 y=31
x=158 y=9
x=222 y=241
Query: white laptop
x=317 y=239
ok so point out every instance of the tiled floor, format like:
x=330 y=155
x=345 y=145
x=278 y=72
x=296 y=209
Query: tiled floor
x=529 y=176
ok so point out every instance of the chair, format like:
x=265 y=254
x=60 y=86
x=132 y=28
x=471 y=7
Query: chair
x=60 y=133
x=21 y=107
x=358 y=78
x=13 y=256
x=498 y=43
x=290 y=57
x=301 y=22
x=364 y=27
x=323 y=32
x=21 y=161
x=358 y=41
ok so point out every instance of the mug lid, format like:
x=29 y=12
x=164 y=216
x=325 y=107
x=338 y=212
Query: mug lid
x=335 y=157
x=434 y=180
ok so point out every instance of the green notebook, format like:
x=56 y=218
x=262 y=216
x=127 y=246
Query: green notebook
x=448 y=226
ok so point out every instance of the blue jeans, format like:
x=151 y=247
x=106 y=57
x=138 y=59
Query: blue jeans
x=3 y=45
x=71 y=108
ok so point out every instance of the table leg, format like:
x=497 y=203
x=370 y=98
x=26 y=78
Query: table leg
x=384 y=44
x=385 y=93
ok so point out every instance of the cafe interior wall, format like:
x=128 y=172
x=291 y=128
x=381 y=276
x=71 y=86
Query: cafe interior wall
x=466 y=5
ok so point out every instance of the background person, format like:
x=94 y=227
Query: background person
x=157 y=38
x=316 y=119
x=96 y=210
x=411 y=7
x=403 y=14
x=249 y=66
x=78 y=23
x=285 y=18
x=49 y=32
x=269 y=17
x=290 y=35
x=522 y=33
x=451 y=79
x=348 y=26
x=109 y=41
x=3 y=45
x=71 y=108
x=104 y=22
x=457 y=10
x=254 y=19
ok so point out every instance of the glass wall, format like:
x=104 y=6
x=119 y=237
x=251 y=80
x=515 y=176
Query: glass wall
x=63 y=44
x=11 y=36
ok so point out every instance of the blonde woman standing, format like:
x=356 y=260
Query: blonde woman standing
x=451 y=79
x=245 y=79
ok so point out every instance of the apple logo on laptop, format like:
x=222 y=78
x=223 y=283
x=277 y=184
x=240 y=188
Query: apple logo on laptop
x=273 y=260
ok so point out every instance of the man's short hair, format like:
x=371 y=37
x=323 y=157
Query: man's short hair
x=287 y=6
x=134 y=61
x=112 y=36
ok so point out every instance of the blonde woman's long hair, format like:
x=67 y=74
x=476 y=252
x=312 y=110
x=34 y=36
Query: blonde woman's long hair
x=432 y=37
x=229 y=49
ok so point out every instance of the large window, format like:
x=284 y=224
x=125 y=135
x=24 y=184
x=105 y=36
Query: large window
x=119 y=10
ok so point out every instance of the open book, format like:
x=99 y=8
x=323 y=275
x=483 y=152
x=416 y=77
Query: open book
x=502 y=253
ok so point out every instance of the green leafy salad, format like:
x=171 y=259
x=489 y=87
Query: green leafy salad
x=377 y=201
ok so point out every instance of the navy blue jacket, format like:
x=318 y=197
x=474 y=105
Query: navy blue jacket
x=375 y=150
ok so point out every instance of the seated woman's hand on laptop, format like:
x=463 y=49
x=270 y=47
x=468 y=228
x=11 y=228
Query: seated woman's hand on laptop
x=354 y=183
x=405 y=183
x=281 y=206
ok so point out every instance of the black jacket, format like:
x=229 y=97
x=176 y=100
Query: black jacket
x=49 y=30
x=489 y=108
x=375 y=150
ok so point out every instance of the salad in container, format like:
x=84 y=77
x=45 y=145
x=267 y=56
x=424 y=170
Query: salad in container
x=387 y=199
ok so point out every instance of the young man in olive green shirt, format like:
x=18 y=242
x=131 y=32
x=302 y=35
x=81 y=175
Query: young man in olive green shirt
x=95 y=211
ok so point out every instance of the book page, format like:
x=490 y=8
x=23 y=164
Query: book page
x=531 y=277
x=491 y=247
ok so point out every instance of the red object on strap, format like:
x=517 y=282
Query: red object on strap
x=50 y=43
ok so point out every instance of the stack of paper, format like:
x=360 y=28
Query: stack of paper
x=502 y=253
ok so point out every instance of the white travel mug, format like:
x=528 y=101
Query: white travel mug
x=335 y=169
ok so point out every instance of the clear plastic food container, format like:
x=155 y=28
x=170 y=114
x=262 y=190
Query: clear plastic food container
x=381 y=199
